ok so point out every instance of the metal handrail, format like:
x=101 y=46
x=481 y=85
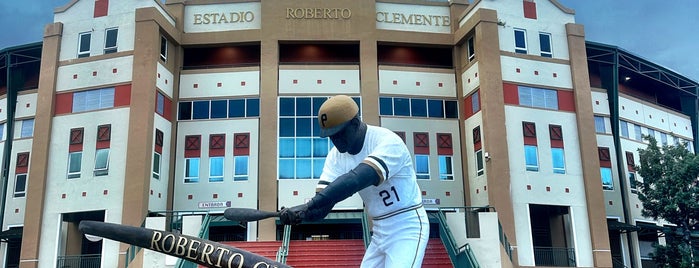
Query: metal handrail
x=203 y=233
x=366 y=232
x=284 y=248
x=461 y=256
x=86 y=261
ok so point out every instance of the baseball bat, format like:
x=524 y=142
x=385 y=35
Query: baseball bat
x=193 y=249
x=248 y=214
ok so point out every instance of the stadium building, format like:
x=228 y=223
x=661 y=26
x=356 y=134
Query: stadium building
x=163 y=115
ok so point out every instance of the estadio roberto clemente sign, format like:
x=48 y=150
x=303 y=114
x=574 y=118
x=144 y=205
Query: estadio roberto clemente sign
x=389 y=16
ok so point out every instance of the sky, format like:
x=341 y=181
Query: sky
x=663 y=32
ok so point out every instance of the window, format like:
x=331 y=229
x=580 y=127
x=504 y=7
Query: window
x=531 y=157
x=651 y=133
x=206 y=109
x=599 y=124
x=624 y=128
x=607 y=183
x=545 y=45
x=416 y=107
x=163 y=48
x=538 y=97
x=663 y=138
x=480 y=169
x=216 y=169
x=470 y=49
x=475 y=102
x=219 y=108
x=84 y=45
x=156 y=165
x=302 y=151
x=637 y=132
x=110 y=40
x=27 y=128
x=241 y=168
x=191 y=172
x=422 y=166
x=20 y=185
x=102 y=162
x=520 y=41
x=446 y=172
x=633 y=182
x=559 y=163
x=93 y=99
x=2 y=132
x=74 y=164
x=160 y=104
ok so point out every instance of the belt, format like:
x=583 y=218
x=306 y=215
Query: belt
x=400 y=211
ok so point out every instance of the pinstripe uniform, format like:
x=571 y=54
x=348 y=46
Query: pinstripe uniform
x=400 y=226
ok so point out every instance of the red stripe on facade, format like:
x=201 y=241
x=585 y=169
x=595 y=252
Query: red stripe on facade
x=510 y=93
x=468 y=112
x=529 y=9
x=421 y=140
x=122 y=95
x=101 y=8
x=566 y=101
x=64 y=103
x=167 y=109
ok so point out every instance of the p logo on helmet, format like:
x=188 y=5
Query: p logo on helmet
x=335 y=114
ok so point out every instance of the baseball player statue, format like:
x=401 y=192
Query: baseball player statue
x=375 y=162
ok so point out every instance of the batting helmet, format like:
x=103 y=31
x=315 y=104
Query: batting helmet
x=335 y=114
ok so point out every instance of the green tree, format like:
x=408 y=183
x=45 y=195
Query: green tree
x=670 y=191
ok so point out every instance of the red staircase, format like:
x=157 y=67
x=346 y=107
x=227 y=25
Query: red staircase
x=336 y=253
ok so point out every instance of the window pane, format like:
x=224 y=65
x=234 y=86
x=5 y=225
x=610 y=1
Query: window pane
x=201 y=110
x=422 y=166
x=241 y=168
x=287 y=107
x=303 y=127
x=558 y=158
x=236 y=108
x=607 y=183
x=303 y=168
x=479 y=163
x=445 y=168
x=74 y=164
x=318 y=164
x=401 y=106
x=320 y=147
x=471 y=49
x=156 y=165
x=436 y=108
x=451 y=109
x=253 y=107
x=219 y=109
x=185 y=112
x=637 y=132
x=386 y=106
x=599 y=124
x=317 y=102
x=287 y=127
x=102 y=159
x=191 y=171
x=520 y=41
x=160 y=103
x=163 y=48
x=525 y=96
x=624 y=128
x=286 y=147
x=27 y=128
x=111 y=38
x=418 y=107
x=303 y=106
x=106 y=98
x=84 y=46
x=20 y=185
x=286 y=168
x=545 y=44
x=531 y=157
x=632 y=181
x=216 y=168
x=475 y=102
x=303 y=147
x=551 y=99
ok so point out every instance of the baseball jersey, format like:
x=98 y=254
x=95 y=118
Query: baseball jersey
x=387 y=153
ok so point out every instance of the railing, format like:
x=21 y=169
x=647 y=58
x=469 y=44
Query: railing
x=617 y=263
x=79 y=261
x=284 y=248
x=461 y=256
x=366 y=233
x=203 y=233
x=554 y=256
